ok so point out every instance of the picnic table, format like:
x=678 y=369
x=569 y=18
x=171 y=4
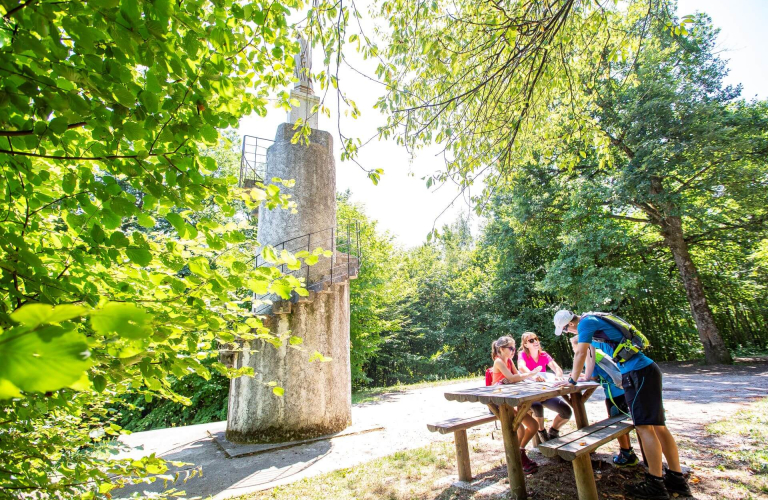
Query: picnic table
x=511 y=402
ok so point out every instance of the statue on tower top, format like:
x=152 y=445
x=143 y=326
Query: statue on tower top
x=302 y=69
x=306 y=110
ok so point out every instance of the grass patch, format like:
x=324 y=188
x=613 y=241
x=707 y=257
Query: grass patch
x=750 y=427
x=404 y=475
x=373 y=394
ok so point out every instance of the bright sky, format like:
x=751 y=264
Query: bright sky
x=401 y=202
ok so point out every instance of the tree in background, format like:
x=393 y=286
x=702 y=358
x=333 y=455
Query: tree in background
x=670 y=159
x=376 y=294
x=623 y=105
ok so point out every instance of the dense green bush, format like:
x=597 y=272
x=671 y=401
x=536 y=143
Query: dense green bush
x=207 y=398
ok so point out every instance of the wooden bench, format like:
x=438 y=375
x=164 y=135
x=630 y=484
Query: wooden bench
x=576 y=447
x=459 y=428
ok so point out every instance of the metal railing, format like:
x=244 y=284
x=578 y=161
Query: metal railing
x=253 y=161
x=345 y=260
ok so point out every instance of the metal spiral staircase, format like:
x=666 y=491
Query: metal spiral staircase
x=253 y=161
x=342 y=265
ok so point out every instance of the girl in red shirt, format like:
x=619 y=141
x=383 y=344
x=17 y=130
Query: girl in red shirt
x=504 y=372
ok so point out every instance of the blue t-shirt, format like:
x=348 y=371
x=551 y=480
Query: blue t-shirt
x=590 y=325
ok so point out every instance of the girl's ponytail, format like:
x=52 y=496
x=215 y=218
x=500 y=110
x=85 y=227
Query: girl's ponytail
x=494 y=350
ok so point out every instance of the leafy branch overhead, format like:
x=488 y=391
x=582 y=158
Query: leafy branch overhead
x=126 y=252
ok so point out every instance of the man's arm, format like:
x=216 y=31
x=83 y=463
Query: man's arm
x=580 y=355
x=591 y=359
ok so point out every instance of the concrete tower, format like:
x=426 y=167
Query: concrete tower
x=317 y=398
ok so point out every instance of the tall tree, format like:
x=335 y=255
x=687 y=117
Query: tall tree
x=621 y=98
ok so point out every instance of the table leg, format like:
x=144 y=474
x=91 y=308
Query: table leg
x=582 y=466
x=512 y=449
x=579 y=411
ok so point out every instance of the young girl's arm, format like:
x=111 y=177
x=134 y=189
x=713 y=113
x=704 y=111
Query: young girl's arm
x=513 y=377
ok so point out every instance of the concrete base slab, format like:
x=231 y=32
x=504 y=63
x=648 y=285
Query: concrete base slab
x=235 y=450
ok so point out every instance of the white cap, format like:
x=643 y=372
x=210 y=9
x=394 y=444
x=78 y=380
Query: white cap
x=562 y=318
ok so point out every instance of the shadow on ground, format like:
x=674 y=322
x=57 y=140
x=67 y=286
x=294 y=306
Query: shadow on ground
x=221 y=473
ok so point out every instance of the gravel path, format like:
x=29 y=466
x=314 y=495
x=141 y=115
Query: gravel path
x=694 y=396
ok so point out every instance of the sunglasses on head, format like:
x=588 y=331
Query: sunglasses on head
x=533 y=339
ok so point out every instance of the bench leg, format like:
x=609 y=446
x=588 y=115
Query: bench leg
x=462 y=455
x=585 y=479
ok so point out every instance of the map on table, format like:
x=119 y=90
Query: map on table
x=516 y=394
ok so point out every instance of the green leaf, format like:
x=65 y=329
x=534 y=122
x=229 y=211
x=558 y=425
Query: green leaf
x=209 y=134
x=268 y=254
x=178 y=223
x=58 y=125
x=99 y=383
x=317 y=356
x=259 y=287
x=281 y=289
x=124 y=319
x=146 y=220
x=200 y=266
x=32 y=315
x=140 y=256
x=278 y=391
x=35 y=365
x=8 y=390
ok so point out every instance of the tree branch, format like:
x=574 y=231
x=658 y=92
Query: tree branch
x=19 y=133
x=11 y=12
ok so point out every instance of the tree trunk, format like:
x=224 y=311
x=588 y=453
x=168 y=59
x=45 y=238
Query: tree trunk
x=714 y=347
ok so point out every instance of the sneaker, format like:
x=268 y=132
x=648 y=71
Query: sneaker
x=676 y=483
x=543 y=435
x=651 y=488
x=529 y=466
x=554 y=433
x=626 y=459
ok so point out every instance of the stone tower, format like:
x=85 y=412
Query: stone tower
x=317 y=397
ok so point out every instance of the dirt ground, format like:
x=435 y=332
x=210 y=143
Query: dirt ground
x=694 y=396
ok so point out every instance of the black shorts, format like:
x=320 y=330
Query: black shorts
x=642 y=392
x=614 y=410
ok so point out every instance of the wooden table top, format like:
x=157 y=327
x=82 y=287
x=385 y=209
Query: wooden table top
x=516 y=394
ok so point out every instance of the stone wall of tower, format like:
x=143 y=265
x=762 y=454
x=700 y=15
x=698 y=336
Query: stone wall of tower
x=317 y=398
x=313 y=168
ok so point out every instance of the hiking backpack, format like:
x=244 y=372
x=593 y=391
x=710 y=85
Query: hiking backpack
x=608 y=366
x=634 y=340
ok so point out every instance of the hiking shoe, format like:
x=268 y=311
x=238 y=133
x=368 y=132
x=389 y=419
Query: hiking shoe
x=651 y=488
x=543 y=435
x=676 y=483
x=554 y=433
x=626 y=459
x=529 y=466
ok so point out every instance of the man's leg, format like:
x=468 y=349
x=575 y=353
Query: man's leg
x=624 y=442
x=668 y=447
x=652 y=448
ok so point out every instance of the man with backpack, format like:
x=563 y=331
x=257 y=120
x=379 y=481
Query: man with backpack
x=641 y=381
x=607 y=373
